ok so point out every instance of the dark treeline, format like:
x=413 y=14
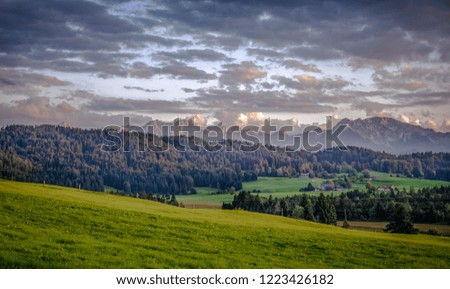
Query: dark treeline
x=428 y=205
x=72 y=157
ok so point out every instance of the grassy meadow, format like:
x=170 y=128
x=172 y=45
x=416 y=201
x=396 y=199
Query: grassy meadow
x=380 y=226
x=281 y=187
x=57 y=227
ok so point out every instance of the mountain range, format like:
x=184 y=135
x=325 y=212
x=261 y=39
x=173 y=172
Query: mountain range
x=393 y=136
x=375 y=133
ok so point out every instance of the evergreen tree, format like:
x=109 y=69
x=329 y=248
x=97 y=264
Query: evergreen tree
x=401 y=222
x=325 y=209
x=309 y=208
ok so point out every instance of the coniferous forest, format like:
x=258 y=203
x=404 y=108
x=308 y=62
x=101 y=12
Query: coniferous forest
x=72 y=157
x=427 y=205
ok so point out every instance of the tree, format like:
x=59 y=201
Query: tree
x=401 y=222
x=366 y=173
x=325 y=209
x=127 y=187
x=298 y=212
x=308 y=208
x=309 y=188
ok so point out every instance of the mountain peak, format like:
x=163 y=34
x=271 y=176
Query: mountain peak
x=391 y=135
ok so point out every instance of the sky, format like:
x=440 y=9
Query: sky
x=89 y=63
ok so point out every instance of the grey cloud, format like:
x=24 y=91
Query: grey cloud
x=180 y=70
x=421 y=98
x=401 y=101
x=321 y=30
x=244 y=73
x=267 y=85
x=295 y=64
x=141 y=70
x=173 y=69
x=143 y=89
x=225 y=42
x=163 y=41
x=71 y=25
x=264 y=52
x=413 y=78
x=111 y=104
x=41 y=110
x=370 y=107
x=265 y=101
x=385 y=79
x=322 y=52
x=192 y=54
x=25 y=83
x=6 y=82
x=307 y=82
x=72 y=36
x=34 y=109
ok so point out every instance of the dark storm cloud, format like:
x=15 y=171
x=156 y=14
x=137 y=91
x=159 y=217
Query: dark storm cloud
x=381 y=30
x=71 y=25
x=305 y=29
x=71 y=36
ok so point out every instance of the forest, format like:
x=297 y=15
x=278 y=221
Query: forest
x=72 y=157
x=427 y=205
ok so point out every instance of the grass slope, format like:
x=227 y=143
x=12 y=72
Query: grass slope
x=55 y=227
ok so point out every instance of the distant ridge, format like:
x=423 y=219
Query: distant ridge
x=393 y=136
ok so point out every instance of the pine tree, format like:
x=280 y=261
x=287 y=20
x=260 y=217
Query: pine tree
x=325 y=209
x=308 y=208
x=401 y=222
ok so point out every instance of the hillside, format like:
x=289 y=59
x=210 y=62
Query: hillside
x=73 y=157
x=56 y=227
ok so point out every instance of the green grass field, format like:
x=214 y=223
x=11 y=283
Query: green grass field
x=55 y=227
x=380 y=226
x=281 y=187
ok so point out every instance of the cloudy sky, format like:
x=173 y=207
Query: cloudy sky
x=91 y=62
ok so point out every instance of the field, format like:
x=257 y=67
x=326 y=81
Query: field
x=56 y=227
x=380 y=226
x=281 y=187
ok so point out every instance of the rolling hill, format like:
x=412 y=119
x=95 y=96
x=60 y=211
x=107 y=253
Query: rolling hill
x=57 y=227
